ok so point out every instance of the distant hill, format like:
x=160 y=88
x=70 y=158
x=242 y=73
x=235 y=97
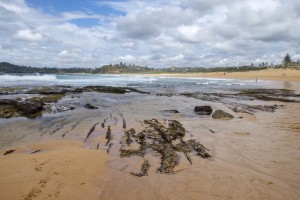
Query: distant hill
x=11 y=68
x=125 y=69
x=122 y=68
x=106 y=69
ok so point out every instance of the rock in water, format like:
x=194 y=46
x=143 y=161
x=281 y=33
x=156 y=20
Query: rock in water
x=203 y=110
x=89 y=106
x=171 y=111
x=220 y=114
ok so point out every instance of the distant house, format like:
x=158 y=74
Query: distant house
x=293 y=64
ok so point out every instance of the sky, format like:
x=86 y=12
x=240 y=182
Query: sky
x=153 y=33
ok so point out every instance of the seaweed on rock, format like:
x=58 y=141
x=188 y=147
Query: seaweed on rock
x=144 y=169
x=166 y=141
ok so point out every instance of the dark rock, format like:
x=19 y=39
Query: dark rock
x=89 y=106
x=36 y=151
x=9 y=152
x=171 y=111
x=203 y=110
x=109 y=146
x=219 y=114
x=10 y=108
x=8 y=102
x=108 y=135
x=30 y=109
x=110 y=89
x=282 y=95
x=91 y=131
x=164 y=94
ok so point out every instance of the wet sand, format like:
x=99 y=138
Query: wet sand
x=253 y=156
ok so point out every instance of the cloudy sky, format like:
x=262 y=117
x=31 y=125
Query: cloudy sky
x=156 y=33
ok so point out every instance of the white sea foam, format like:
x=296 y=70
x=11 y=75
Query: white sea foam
x=36 y=77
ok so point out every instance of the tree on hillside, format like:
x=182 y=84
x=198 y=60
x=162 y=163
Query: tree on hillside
x=286 y=60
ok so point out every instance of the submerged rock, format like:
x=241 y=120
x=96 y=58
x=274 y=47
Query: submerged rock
x=203 y=110
x=219 y=114
x=110 y=89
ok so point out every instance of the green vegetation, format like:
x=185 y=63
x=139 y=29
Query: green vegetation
x=123 y=68
x=11 y=68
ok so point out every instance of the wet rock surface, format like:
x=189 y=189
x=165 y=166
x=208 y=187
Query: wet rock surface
x=40 y=99
x=281 y=95
x=109 y=89
x=63 y=90
x=203 y=110
x=220 y=114
x=251 y=109
x=166 y=141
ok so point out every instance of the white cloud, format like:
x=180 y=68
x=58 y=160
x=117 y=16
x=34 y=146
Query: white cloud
x=65 y=54
x=28 y=35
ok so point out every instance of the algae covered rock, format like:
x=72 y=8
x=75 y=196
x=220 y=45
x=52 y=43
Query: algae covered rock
x=11 y=108
x=220 y=114
x=166 y=141
x=203 y=110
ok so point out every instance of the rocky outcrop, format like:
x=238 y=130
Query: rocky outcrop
x=219 y=114
x=110 y=89
x=166 y=141
x=203 y=110
x=12 y=108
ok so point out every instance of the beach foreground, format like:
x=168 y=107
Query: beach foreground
x=67 y=155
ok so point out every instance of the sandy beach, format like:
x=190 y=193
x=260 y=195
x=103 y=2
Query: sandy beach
x=255 y=155
x=268 y=74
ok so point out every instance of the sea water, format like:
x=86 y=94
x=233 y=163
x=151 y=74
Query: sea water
x=149 y=83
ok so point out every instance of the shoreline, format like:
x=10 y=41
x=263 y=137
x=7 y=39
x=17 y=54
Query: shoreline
x=292 y=75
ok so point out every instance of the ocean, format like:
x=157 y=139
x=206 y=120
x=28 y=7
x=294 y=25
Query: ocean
x=148 y=83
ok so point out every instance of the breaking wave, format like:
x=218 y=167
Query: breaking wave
x=31 y=77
